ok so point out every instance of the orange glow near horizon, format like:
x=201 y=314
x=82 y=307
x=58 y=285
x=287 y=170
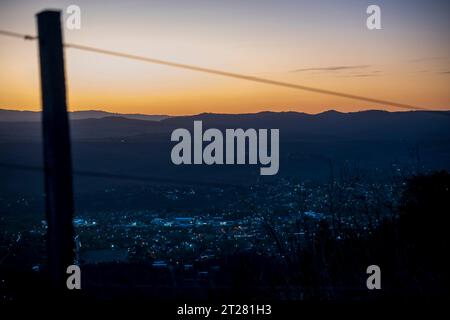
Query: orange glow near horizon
x=388 y=64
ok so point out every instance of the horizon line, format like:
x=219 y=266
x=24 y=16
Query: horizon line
x=224 y=113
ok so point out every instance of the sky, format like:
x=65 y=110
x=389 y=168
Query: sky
x=323 y=44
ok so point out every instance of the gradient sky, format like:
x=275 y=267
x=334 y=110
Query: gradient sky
x=323 y=44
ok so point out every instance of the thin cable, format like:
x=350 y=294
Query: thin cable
x=17 y=35
x=222 y=73
x=242 y=76
x=114 y=176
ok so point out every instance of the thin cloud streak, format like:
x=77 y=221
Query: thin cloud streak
x=428 y=59
x=333 y=68
x=374 y=73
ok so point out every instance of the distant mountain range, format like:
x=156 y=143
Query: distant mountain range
x=31 y=116
x=369 y=142
x=329 y=125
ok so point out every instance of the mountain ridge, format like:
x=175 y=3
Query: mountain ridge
x=372 y=124
x=370 y=140
x=8 y=115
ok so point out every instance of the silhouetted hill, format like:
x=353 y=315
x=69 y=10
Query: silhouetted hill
x=31 y=116
x=368 y=142
x=330 y=125
x=371 y=124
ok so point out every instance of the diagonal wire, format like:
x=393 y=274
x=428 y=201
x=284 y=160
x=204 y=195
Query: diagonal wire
x=222 y=73
x=115 y=176
x=242 y=76
x=17 y=35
